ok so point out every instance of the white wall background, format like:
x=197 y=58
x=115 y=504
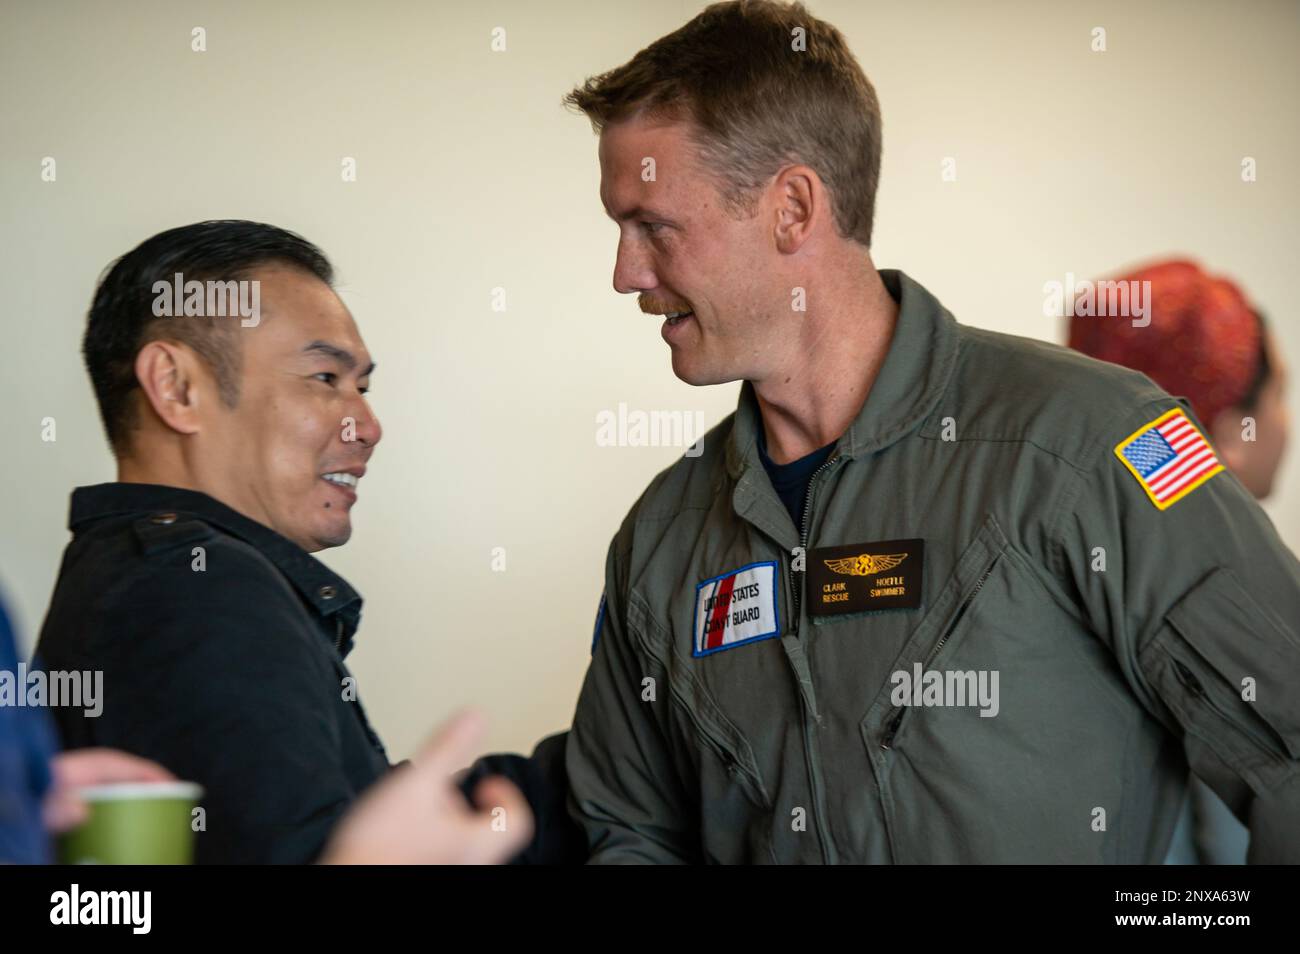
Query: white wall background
x=472 y=176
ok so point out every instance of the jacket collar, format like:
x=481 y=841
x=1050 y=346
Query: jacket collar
x=319 y=586
x=915 y=373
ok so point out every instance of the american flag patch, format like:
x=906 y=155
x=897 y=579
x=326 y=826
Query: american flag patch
x=1169 y=457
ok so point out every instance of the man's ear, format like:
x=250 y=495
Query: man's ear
x=167 y=372
x=799 y=200
x=1225 y=435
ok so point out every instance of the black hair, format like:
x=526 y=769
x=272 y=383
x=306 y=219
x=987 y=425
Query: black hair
x=122 y=319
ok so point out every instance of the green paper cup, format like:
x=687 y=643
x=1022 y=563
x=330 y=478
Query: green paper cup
x=134 y=823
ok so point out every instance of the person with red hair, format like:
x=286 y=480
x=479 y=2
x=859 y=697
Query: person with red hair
x=1204 y=341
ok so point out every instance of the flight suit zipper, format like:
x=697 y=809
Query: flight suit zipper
x=829 y=854
x=796 y=576
x=888 y=738
x=1199 y=692
x=752 y=787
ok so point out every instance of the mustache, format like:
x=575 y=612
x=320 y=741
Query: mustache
x=658 y=306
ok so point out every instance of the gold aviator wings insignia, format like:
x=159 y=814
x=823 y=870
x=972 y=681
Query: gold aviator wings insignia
x=866 y=564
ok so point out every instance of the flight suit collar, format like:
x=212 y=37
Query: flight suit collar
x=321 y=588
x=915 y=373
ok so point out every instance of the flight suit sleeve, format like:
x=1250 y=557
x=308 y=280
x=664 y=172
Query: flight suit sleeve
x=624 y=788
x=1200 y=601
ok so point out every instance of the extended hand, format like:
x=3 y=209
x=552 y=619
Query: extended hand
x=417 y=815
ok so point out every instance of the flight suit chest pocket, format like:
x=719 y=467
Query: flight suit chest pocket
x=933 y=796
x=734 y=804
x=941 y=625
x=715 y=737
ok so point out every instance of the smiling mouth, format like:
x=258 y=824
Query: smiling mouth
x=659 y=307
x=348 y=481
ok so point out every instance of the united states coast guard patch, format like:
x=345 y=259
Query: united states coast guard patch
x=1169 y=457
x=736 y=608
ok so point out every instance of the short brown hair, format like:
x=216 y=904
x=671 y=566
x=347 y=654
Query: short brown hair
x=757 y=101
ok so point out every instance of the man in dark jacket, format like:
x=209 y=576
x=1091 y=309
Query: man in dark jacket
x=231 y=381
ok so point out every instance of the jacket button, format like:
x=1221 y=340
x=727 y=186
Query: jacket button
x=328 y=592
x=163 y=518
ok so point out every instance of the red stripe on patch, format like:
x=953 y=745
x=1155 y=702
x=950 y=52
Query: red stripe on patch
x=718 y=615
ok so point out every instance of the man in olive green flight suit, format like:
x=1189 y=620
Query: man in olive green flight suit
x=932 y=594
